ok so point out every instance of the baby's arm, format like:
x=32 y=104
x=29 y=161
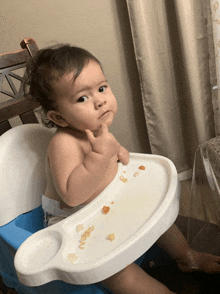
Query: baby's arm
x=77 y=176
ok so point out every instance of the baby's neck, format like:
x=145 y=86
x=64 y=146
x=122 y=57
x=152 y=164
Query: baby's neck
x=74 y=132
x=80 y=134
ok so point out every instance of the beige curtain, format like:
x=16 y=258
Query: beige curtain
x=174 y=48
x=215 y=6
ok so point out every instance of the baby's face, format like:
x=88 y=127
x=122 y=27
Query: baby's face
x=88 y=101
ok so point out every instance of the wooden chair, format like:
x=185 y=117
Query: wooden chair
x=17 y=106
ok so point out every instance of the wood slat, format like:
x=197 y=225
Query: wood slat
x=11 y=84
x=9 y=69
x=29 y=44
x=32 y=48
x=7 y=93
x=29 y=118
x=14 y=75
x=18 y=106
x=4 y=127
x=14 y=107
x=14 y=58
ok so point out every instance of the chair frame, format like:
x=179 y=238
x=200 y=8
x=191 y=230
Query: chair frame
x=18 y=105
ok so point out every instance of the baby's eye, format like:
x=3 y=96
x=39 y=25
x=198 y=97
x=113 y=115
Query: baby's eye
x=102 y=89
x=82 y=99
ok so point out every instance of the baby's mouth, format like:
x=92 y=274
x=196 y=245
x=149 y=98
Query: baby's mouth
x=104 y=113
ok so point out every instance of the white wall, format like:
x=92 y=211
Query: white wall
x=100 y=26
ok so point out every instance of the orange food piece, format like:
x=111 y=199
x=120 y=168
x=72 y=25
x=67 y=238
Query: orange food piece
x=88 y=233
x=106 y=209
x=111 y=237
x=141 y=167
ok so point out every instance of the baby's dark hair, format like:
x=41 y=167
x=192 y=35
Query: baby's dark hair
x=47 y=66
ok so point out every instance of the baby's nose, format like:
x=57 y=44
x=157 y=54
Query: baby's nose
x=100 y=102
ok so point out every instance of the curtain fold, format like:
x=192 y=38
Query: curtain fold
x=215 y=7
x=174 y=51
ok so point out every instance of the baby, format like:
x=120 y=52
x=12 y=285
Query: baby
x=82 y=156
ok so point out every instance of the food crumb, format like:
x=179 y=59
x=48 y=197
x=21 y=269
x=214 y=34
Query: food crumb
x=85 y=235
x=105 y=209
x=79 y=227
x=136 y=174
x=111 y=237
x=71 y=257
x=151 y=263
x=123 y=179
x=112 y=202
x=141 y=167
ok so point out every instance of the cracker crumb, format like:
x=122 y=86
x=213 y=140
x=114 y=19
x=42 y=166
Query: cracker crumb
x=105 y=209
x=136 y=174
x=111 y=237
x=141 y=167
x=85 y=235
x=79 y=227
x=123 y=179
x=71 y=257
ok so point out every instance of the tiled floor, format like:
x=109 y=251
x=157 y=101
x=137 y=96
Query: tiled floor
x=185 y=197
x=6 y=290
x=184 y=283
x=166 y=270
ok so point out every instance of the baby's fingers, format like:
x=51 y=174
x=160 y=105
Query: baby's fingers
x=104 y=129
x=90 y=135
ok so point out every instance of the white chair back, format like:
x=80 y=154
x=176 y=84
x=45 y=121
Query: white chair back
x=22 y=169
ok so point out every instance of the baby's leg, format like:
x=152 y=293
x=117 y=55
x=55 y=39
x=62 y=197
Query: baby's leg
x=134 y=280
x=174 y=243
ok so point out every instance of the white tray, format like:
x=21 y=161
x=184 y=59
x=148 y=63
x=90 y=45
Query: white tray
x=141 y=210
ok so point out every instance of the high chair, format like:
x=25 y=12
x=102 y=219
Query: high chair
x=23 y=149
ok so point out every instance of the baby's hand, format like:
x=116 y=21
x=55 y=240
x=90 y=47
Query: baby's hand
x=123 y=155
x=105 y=143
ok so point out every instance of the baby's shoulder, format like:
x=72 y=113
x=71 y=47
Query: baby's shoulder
x=62 y=141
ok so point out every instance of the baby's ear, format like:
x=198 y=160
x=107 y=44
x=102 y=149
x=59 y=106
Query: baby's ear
x=57 y=118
